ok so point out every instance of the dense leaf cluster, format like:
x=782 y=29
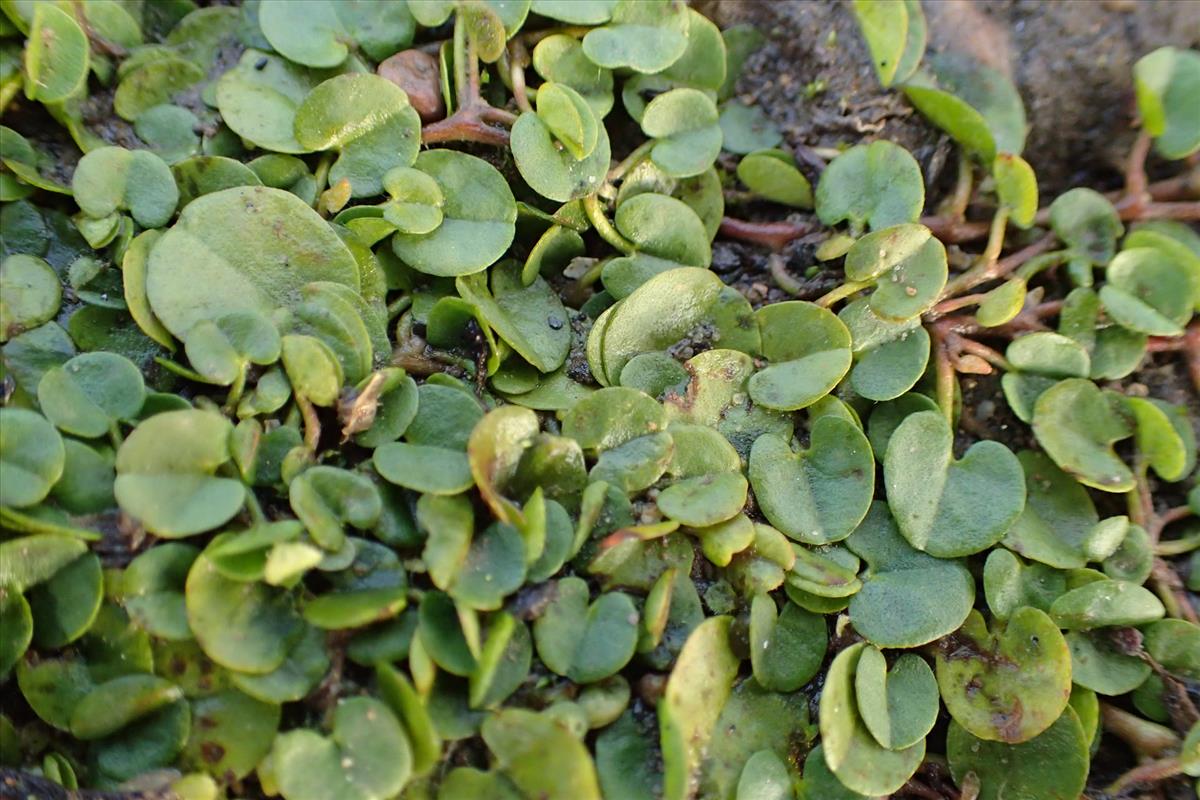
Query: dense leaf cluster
x=369 y=433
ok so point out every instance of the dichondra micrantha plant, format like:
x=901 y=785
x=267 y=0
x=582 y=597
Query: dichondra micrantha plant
x=375 y=426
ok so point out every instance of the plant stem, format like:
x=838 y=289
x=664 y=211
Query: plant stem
x=461 y=92
x=1150 y=772
x=256 y=512
x=1135 y=172
x=769 y=234
x=842 y=292
x=616 y=173
x=985 y=266
x=1148 y=739
x=955 y=207
x=983 y=272
x=321 y=176
x=944 y=368
x=399 y=306
x=783 y=280
x=595 y=213
x=312 y=424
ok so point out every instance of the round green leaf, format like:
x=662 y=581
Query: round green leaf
x=30 y=294
x=1097 y=664
x=1057 y=524
x=367 y=120
x=367 y=756
x=1076 y=424
x=586 y=642
x=803 y=368
x=111 y=179
x=551 y=169
x=248 y=627
x=704 y=500
x=900 y=705
x=88 y=395
x=478 y=217
x=851 y=752
x=1087 y=223
x=684 y=124
x=1104 y=603
x=165 y=473
x=818 y=495
x=1148 y=292
x=746 y=129
x=424 y=468
x=772 y=174
x=1051 y=766
x=1008 y=684
x=908 y=598
x=30 y=560
x=326 y=499
x=217 y=243
x=1016 y=187
x=17 y=621
x=559 y=58
x=664 y=227
x=416 y=204
x=944 y=506
x=56 y=56
x=32 y=458
x=65 y=606
x=787 y=648
x=260 y=104
x=876 y=185
x=644 y=35
x=1166 y=80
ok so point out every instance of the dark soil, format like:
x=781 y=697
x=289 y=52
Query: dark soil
x=1070 y=60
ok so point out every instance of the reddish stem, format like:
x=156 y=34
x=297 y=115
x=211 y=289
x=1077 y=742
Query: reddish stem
x=773 y=235
x=470 y=124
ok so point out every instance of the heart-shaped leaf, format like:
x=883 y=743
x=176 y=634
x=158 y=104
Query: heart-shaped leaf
x=944 y=506
x=1058 y=524
x=1105 y=603
x=1098 y=664
x=89 y=394
x=367 y=120
x=260 y=103
x=1088 y=224
x=560 y=59
x=1022 y=669
x=586 y=642
x=367 y=756
x=1165 y=80
x=786 y=648
x=889 y=357
x=111 y=179
x=539 y=757
x=248 y=627
x=218 y=241
x=326 y=499
x=851 y=751
x=875 y=185
x=1051 y=766
x=899 y=706
x=1077 y=423
x=31 y=294
x=803 y=369
x=56 y=59
x=32 y=457
x=646 y=37
x=691 y=706
x=818 y=495
x=684 y=124
x=165 y=473
x=478 y=217
x=321 y=37
x=1148 y=292
x=908 y=598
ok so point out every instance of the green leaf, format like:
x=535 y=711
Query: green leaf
x=908 y=598
x=30 y=560
x=560 y=59
x=665 y=228
x=30 y=294
x=1076 y=424
x=1059 y=521
x=895 y=33
x=148 y=84
x=18 y=628
x=973 y=103
x=803 y=369
x=949 y=507
x=586 y=642
x=238 y=727
x=1097 y=664
x=217 y=243
x=786 y=648
x=32 y=457
x=530 y=318
x=1104 y=603
x=684 y=124
x=89 y=394
x=56 y=57
x=818 y=495
x=1022 y=669
x=691 y=706
x=1051 y=766
x=1164 y=437
x=540 y=757
x=165 y=474
x=772 y=174
x=1166 y=80
x=851 y=751
x=111 y=179
x=899 y=705
x=367 y=120
x=704 y=500
x=248 y=627
x=260 y=105
x=1087 y=223
x=321 y=37
x=1148 y=292
x=1016 y=188
x=416 y=204
x=877 y=185
x=327 y=499
x=367 y=756
x=478 y=217
x=644 y=35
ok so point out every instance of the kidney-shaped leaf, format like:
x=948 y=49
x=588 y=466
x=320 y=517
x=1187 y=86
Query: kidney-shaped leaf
x=32 y=457
x=89 y=394
x=1077 y=423
x=874 y=185
x=586 y=642
x=110 y=179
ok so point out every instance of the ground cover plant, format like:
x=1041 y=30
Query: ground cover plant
x=375 y=423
